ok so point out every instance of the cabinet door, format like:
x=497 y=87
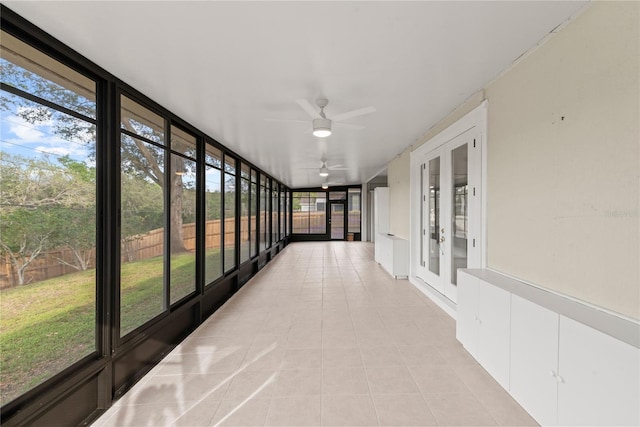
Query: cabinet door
x=534 y=359
x=467 y=312
x=601 y=378
x=494 y=317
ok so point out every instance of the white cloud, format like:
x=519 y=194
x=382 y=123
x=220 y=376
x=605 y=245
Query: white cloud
x=40 y=137
x=56 y=151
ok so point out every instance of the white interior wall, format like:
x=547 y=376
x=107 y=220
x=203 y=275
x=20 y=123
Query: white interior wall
x=563 y=194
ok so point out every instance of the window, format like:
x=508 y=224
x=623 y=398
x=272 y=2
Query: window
x=142 y=232
x=282 y=213
x=274 y=213
x=309 y=213
x=47 y=217
x=213 y=214
x=264 y=208
x=182 y=211
x=229 y=213
x=253 y=221
x=245 y=241
x=288 y=213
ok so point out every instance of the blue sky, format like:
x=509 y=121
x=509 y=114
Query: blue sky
x=18 y=136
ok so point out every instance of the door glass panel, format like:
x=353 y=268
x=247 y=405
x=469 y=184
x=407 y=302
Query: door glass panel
x=337 y=221
x=460 y=211
x=354 y=210
x=434 y=215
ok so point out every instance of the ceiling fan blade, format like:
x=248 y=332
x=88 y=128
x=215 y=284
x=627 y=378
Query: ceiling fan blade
x=337 y=168
x=306 y=122
x=348 y=126
x=353 y=113
x=306 y=106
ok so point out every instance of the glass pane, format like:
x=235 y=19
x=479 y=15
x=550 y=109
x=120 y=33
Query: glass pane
x=212 y=241
x=183 y=228
x=245 y=242
x=229 y=165
x=253 y=220
x=47 y=235
x=30 y=70
x=263 y=216
x=33 y=130
x=460 y=217
x=300 y=215
x=434 y=215
x=337 y=195
x=317 y=213
x=183 y=142
x=139 y=120
x=282 y=214
x=244 y=171
x=337 y=221
x=141 y=233
x=274 y=214
x=212 y=156
x=354 y=210
x=229 y=221
x=288 y=214
x=267 y=218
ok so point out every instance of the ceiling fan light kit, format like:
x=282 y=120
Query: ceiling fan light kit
x=321 y=127
x=324 y=170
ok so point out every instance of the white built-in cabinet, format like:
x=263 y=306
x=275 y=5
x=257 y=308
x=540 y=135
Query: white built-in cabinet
x=392 y=252
x=599 y=378
x=534 y=359
x=484 y=329
x=562 y=371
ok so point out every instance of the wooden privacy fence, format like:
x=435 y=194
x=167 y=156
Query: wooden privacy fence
x=56 y=262
x=136 y=248
x=316 y=222
x=151 y=245
x=53 y=263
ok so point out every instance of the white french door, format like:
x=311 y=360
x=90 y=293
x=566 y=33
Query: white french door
x=450 y=212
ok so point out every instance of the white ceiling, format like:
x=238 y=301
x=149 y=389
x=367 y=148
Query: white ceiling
x=225 y=67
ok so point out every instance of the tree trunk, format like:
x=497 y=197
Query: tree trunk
x=176 y=239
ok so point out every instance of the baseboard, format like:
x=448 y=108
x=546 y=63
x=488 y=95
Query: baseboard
x=440 y=300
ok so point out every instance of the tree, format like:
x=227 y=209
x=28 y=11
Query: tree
x=77 y=221
x=146 y=160
x=138 y=158
x=44 y=205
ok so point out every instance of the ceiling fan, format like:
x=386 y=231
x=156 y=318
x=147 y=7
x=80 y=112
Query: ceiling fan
x=324 y=168
x=326 y=183
x=322 y=124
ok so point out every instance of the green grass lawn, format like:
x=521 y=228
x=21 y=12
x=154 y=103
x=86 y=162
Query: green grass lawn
x=47 y=326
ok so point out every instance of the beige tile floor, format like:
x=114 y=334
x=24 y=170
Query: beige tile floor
x=321 y=336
